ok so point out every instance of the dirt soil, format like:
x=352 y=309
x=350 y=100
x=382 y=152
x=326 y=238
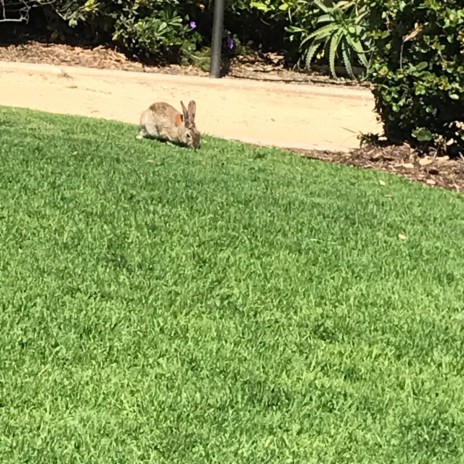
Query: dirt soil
x=259 y=102
x=259 y=66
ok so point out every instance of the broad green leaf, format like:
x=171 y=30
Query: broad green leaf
x=422 y=135
x=333 y=50
x=346 y=58
x=324 y=31
x=421 y=66
x=324 y=18
x=260 y=6
x=322 y=6
x=310 y=54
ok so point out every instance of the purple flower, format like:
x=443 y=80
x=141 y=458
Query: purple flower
x=230 y=42
x=192 y=25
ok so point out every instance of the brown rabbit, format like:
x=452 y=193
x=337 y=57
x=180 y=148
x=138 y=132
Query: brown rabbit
x=163 y=122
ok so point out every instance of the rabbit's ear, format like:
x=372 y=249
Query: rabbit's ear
x=191 y=111
x=185 y=112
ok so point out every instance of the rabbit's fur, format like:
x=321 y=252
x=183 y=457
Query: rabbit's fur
x=163 y=122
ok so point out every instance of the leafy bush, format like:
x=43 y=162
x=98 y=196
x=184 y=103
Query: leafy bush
x=160 y=29
x=341 y=31
x=418 y=71
x=163 y=29
x=167 y=29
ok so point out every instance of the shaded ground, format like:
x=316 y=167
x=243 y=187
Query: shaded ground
x=400 y=160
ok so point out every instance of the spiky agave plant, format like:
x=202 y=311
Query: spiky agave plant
x=342 y=31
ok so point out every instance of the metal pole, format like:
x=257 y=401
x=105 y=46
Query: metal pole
x=216 y=42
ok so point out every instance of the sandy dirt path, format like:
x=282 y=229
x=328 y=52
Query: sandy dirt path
x=285 y=115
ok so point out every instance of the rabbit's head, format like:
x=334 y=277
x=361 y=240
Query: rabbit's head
x=190 y=135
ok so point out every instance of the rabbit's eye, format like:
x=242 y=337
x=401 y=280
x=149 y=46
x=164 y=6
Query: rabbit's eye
x=189 y=135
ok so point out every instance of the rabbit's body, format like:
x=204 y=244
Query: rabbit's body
x=163 y=122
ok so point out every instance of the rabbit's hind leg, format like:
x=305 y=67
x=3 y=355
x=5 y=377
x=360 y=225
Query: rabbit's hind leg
x=148 y=129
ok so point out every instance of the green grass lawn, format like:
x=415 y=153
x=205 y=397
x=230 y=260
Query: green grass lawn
x=230 y=305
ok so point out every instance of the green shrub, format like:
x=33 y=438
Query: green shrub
x=171 y=29
x=143 y=27
x=338 y=34
x=162 y=29
x=418 y=71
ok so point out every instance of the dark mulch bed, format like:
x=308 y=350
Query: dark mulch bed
x=402 y=160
